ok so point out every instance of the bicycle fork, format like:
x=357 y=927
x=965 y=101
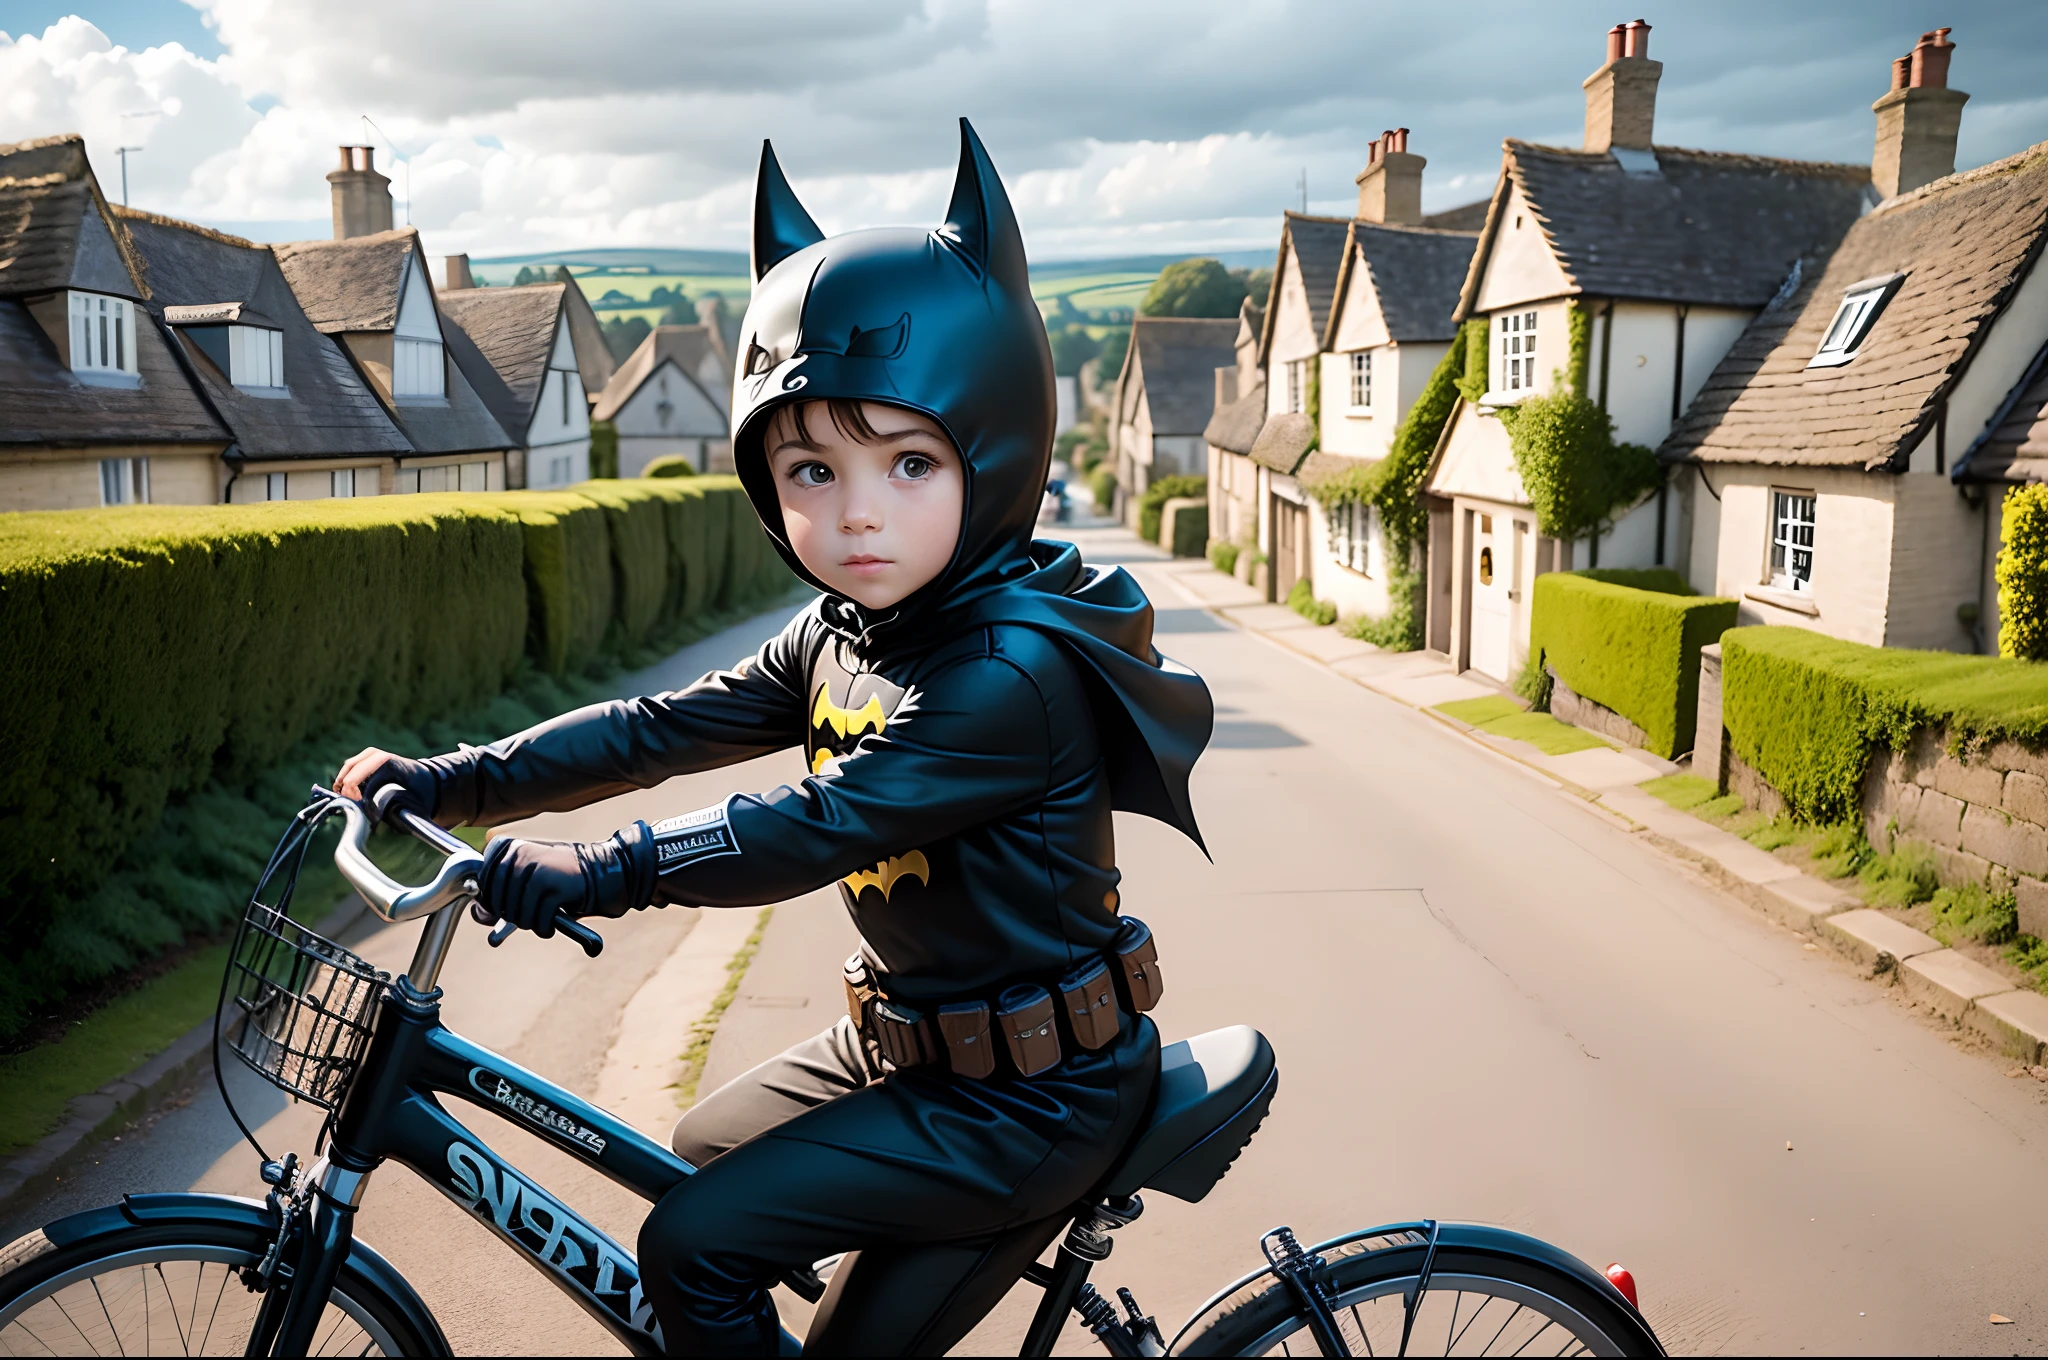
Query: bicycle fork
x=317 y=1215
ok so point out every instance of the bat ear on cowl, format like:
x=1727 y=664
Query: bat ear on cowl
x=781 y=226
x=980 y=224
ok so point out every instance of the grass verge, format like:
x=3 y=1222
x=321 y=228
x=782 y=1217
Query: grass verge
x=1500 y=716
x=106 y=1045
x=698 y=1051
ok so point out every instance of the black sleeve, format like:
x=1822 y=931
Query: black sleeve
x=610 y=748
x=968 y=745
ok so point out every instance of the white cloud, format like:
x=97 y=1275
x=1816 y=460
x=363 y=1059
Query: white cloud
x=1135 y=126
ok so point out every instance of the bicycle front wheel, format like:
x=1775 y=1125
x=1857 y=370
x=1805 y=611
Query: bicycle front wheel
x=1485 y=1297
x=174 y=1289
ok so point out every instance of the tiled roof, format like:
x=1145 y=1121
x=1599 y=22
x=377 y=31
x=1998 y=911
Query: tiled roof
x=1416 y=273
x=330 y=409
x=1465 y=217
x=2015 y=449
x=688 y=346
x=1317 y=244
x=1705 y=227
x=514 y=329
x=43 y=402
x=1236 y=424
x=1963 y=243
x=1176 y=360
x=593 y=356
x=1284 y=441
x=56 y=230
x=351 y=285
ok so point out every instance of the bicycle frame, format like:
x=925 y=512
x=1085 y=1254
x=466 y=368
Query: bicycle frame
x=393 y=1113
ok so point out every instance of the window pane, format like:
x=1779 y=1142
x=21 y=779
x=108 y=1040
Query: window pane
x=113 y=481
x=277 y=361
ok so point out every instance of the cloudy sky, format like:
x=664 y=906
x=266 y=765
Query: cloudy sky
x=1126 y=127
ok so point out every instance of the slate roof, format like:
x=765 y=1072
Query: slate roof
x=1416 y=272
x=351 y=285
x=1284 y=442
x=593 y=356
x=514 y=331
x=330 y=410
x=1317 y=244
x=55 y=224
x=1176 y=358
x=1707 y=227
x=1465 y=217
x=2015 y=448
x=686 y=345
x=1235 y=426
x=1963 y=243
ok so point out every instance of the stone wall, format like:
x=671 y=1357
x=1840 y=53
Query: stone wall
x=1580 y=711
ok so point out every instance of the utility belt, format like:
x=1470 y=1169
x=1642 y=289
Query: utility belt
x=1028 y=1022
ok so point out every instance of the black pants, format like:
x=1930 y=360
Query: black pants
x=944 y=1189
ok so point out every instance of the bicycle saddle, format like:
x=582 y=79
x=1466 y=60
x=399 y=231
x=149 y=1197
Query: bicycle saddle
x=1214 y=1090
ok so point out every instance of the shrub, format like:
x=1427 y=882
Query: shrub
x=675 y=465
x=1635 y=649
x=155 y=651
x=1973 y=912
x=1103 y=485
x=1907 y=875
x=604 y=447
x=1806 y=710
x=1223 y=556
x=1158 y=494
x=1302 y=600
x=2023 y=575
x=1190 y=530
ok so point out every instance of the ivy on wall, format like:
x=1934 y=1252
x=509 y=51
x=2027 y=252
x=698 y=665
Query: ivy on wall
x=1579 y=328
x=1576 y=474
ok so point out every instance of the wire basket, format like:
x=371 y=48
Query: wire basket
x=306 y=1006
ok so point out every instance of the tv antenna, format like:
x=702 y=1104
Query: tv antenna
x=124 y=151
x=399 y=156
x=1304 y=191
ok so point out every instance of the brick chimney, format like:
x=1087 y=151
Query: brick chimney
x=455 y=273
x=1917 y=119
x=362 y=197
x=1390 y=186
x=1621 y=97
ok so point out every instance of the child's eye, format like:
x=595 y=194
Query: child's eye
x=810 y=474
x=915 y=466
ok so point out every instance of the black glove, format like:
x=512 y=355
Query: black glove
x=419 y=788
x=534 y=883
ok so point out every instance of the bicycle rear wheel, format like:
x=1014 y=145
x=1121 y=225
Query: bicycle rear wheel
x=1481 y=1300
x=172 y=1289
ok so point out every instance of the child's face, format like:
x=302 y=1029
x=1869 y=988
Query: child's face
x=873 y=519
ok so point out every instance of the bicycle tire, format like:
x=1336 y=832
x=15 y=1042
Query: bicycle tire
x=1367 y=1281
x=37 y=1275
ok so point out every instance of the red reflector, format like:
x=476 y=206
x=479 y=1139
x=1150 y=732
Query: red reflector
x=1618 y=1276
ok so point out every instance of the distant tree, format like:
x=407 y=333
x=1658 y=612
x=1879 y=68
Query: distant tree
x=1071 y=348
x=561 y=275
x=1110 y=361
x=1257 y=283
x=1199 y=287
x=523 y=277
x=622 y=335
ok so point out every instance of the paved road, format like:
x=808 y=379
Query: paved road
x=1489 y=1003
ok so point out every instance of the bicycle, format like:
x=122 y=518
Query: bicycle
x=219 y=1274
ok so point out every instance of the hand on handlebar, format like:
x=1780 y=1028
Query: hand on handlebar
x=536 y=885
x=368 y=773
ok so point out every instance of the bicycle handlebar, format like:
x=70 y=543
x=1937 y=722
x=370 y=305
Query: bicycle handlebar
x=457 y=879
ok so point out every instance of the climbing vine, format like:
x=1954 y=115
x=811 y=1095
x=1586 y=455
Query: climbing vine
x=1576 y=475
x=1579 y=328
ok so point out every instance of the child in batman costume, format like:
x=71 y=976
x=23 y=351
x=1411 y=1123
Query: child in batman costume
x=985 y=727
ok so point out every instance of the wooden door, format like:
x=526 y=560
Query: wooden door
x=1289 y=556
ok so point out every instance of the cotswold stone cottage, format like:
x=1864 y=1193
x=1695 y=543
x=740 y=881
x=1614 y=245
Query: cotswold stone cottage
x=1165 y=394
x=669 y=400
x=1670 y=253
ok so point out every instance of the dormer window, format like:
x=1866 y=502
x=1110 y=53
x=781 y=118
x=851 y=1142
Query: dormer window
x=418 y=366
x=102 y=335
x=1854 y=316
x=235 y=338
x=256 y=357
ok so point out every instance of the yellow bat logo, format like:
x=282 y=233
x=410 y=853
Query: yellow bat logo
x=854 y=723
x=885 y=874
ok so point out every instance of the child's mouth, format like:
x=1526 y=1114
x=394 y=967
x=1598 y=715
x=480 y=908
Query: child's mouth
x=865 y=565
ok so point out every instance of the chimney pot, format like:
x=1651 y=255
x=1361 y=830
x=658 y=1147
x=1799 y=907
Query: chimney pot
x=1637 y=36
x=1917 y=119
x=1400 y=139
x=1372 y=152
x=1390 y=186
x=362 y=196
x=1617 y=41
x=1621 y=97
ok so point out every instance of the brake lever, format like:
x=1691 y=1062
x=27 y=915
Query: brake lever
x=592 y=942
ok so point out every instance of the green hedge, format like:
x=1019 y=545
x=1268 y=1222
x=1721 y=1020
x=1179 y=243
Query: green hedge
x=1807 y=710
x=1158 y=494
x=1629 y=640
x=1190 y=532
x=675 y=465
x=154 y=651
x=2023 y=574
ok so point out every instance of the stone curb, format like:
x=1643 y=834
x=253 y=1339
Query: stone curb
x=1951 y=985
x=100 y=1114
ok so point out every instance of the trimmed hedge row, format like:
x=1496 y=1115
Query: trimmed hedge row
x=155 y=650
x=1630 y=640
x=1807 y=710
x=1153 y=502
x=2022 y=573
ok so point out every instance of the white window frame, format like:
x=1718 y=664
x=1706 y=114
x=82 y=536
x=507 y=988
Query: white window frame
x=256 y=358
x=1514 y=349
x=124 y=481
x=1855 y=314
x=102 y=334
x=1297 y=386
x=1354 y=537
x=1361 y=380
x=418 y=369
x=341 y=483
x=277 y=486
x=1792 y=514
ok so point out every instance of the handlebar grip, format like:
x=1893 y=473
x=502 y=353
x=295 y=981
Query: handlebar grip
x=592 y=942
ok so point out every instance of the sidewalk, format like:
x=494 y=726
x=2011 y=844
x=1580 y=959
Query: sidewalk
x=1948 y=984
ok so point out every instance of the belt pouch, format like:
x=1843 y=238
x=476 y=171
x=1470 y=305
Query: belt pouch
x=964 y=1027
x=902 y=1034
x=1089 y=998
x=860 y=989
x=1137 y=958
x=1025 y=1013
